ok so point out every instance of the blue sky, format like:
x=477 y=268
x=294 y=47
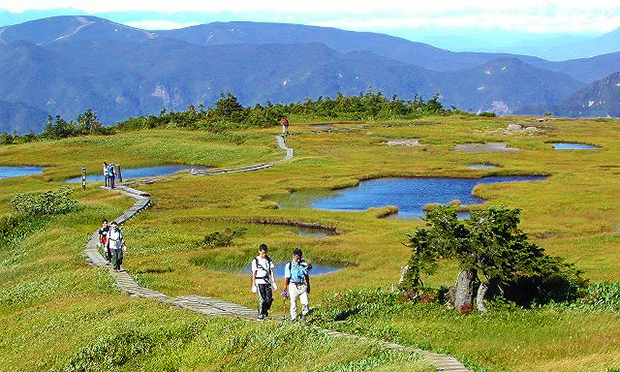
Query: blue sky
x=486 y=22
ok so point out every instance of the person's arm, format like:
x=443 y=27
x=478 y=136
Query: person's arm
x=254 y=268
x=287 y=276
x=274 y=285
x=307 y=283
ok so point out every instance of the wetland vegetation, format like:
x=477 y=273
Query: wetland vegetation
x=58 y=313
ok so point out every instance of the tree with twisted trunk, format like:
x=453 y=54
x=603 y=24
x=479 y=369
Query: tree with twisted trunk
x=493 y=253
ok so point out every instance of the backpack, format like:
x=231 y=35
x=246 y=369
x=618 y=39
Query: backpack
x=110 y=170
x=259 y=266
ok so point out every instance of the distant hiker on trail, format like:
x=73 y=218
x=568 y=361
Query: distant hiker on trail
x=105 y=174
x=111 y=175
x=263 y=280
x=297 y=283
x=285 y=125
x=116 y=243
x=103 y=241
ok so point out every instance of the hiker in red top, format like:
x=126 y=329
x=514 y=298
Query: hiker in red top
x=285 y=125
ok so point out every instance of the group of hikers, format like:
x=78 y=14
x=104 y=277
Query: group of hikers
x=109 y=174
x=296 y=282
x=112 y=242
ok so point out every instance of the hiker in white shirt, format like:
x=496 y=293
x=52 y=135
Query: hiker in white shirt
x=116 y=244
x=263 y=281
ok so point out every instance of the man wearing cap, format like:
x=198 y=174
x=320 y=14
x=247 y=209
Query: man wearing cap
x=297 y=283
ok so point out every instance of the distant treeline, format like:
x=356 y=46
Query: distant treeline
x=229 y=114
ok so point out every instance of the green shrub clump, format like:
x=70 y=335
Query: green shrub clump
x=48 y=203
x=221 y=238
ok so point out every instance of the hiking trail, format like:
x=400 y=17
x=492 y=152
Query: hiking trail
x=215 y=307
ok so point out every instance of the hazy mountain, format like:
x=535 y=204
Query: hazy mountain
x=504 y=85
x=419 y=54
x=590 y=47
x=599 y=99
x=55 y=29
x=21 y=118
x=585 y=69
x=65 y=65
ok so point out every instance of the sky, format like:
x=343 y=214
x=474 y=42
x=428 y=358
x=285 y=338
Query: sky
x=486 y=22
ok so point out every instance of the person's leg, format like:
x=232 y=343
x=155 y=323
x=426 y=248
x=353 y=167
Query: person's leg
x=117 y=259
x=112 y=181
x=303 y=298
x=268 y=299
x=261 y=300
x=293 y=294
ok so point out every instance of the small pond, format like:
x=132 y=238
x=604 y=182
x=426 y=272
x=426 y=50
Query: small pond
x=8 y=172
x=482 y=166
x=313 y=232
x=163 y=170
x=279 y=269
x=574 y=146
x=409 y=194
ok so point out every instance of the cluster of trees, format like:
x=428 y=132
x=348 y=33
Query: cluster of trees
x=368 y=106
x=58 y=128
x=495 y=257
x=228 y=114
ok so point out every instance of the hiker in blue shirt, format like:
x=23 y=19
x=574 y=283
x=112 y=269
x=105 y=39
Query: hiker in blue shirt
x=263 y=280
x=297 y=283
x=111 y=175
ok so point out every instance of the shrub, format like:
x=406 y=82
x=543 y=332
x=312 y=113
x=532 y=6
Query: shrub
x=221 y=239
x=44 y=204
x=487 y=114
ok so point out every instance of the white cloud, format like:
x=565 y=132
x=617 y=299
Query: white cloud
x=523 y=15
x=527 y=23
x=156 y=24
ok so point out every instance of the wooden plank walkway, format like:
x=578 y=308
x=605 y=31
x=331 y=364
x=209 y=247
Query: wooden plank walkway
x=215 y=307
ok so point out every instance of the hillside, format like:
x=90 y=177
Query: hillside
x=65 y=65
x=21 y=118
x=123 y=79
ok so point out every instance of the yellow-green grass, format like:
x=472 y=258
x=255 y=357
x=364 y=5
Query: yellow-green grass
x=58 y=313
x=573 y=213
x=550 y=339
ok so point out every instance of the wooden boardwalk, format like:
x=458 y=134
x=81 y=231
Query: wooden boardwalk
x=214 y=307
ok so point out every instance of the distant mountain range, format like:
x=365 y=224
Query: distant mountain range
x=599 y=99
x=64 y=65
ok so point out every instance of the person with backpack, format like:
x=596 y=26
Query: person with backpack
x=263 y=280
x=285 y=125
x=103 y=241
x=111 y=175
x=116 y=243
x=105 y=174
x=297 y=283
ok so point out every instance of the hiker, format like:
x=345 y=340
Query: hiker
x=285 y=125
x=116 y=243
x=111 y=175
x=105 y=174
x=103 y=241
x=297 y=283
x=263 y=280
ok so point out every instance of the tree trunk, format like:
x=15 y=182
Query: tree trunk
x=482 y=291
x=464 y=290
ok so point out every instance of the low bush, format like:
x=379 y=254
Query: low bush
x=47 y=203
x=221 y=238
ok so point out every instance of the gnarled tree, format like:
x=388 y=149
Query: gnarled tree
x=492 y=252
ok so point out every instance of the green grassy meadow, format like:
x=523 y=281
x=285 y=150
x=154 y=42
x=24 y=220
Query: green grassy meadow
x=55 y=309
